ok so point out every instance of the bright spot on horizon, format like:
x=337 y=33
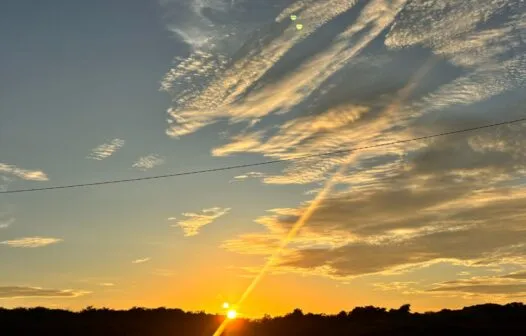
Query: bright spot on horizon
x=231 y=314
x=226 y=305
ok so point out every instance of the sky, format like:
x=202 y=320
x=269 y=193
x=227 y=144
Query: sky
x=106 y=90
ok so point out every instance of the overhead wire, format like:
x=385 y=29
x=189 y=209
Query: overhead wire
x=262 y=163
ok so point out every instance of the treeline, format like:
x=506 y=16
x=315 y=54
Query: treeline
x=486 y=319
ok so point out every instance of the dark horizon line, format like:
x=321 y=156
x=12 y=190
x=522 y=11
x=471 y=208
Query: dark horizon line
x=297 y=311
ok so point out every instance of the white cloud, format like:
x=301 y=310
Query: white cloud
x=141 y=260
x=106 y=284
x=148 y=162
x=15 y=292
x=106 y=150
x=31 y=242
x=247 y=176
x=195 y=221
x=24 y=174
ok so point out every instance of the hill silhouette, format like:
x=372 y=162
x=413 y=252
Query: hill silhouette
x=486 y=319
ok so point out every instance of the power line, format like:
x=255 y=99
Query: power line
x=262 y=163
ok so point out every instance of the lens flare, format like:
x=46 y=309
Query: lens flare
x=231 y=314
x=226 y=305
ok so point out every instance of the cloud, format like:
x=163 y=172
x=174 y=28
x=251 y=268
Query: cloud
x=141 y=260
x=4 y=182
x=106 y=150
x=491 y=288
x=106 y=284
x=481 y=59
x=5 y=223
x=195 y=221
x=252 y=243
x=31 y=242
x=360 y=74
x=15 y=292
x=223 y=96
x=24 y=174
x=148 y=162
x=247 y=176
x=518 y=275
x=447 y=201
x=503 y=286
x=403 y=287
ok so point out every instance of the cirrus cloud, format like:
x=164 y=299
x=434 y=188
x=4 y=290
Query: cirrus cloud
x=148 y=162
x=359 y=75
x=141 y=260
x=31 y=242
x=24 y=174
x=106 y=150
x=195 y=221
x=15 y=292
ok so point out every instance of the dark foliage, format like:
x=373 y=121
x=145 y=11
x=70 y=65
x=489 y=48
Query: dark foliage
x=487 y=319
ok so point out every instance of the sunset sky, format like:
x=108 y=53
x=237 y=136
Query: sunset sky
x=115 y=89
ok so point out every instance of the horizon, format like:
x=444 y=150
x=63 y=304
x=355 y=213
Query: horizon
x=375 y=153
x=255 y=318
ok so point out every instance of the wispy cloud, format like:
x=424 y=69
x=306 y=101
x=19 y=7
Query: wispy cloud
x=246 y=176
x=14 y=292
x=516 y=275
x=503 y=286
x=106 y=284
x=141 y=260
x=4 y=182
x=148 y=162
x=195 y=221
x=378 y=79
x=6 y=222
x=414 y=213
x=403 y=287
x=24 y=174
x=219 y=98
x=106 y=150
x=31 y=242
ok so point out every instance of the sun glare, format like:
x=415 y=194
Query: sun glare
x=231 y=314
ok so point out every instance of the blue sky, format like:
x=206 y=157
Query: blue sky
x=102 y=90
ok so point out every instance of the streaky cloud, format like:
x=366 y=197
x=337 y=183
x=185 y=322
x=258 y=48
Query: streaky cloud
x=31 y=242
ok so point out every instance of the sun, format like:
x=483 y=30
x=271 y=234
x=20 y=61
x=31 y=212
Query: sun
x=231 y=314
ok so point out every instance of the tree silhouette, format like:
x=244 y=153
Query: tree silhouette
x=487 y=319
